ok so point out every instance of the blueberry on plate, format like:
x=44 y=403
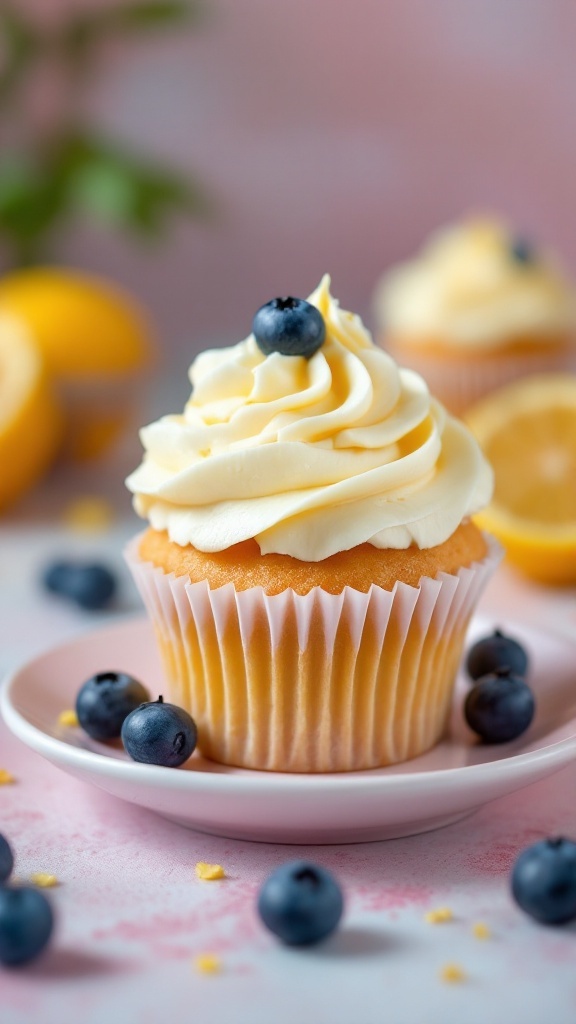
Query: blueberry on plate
x=290 y=326
x=159 y=733
x=26 y=923
x=500 y=707
x=544 y=881
x=495 y=652
x=91 y=586
x=6 y=859
x=301 y=903
x=105 y=700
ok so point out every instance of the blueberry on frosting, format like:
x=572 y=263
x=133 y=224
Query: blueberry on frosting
x=290 y=326
x=522 y=251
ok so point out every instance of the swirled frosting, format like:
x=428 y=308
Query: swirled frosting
x=309 y=456
x=468 y=288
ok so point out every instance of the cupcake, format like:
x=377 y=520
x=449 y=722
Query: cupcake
x=310 y=566
x=476 y=309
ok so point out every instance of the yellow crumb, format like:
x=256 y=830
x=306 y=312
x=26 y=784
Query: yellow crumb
x=452 y=974
x=207 y=963
x=209 y=872
x=6 y=779
x=43 y=880
x=68 y=718
x=439 y=916
x=89 y=514
x=481 y=930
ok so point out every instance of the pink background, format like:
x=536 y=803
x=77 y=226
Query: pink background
x=332 y=135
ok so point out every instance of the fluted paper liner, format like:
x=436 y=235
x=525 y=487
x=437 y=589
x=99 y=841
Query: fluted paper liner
x=459 y=382
x=314 y=683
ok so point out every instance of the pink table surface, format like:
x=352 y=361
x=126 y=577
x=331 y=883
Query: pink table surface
x=132 y=916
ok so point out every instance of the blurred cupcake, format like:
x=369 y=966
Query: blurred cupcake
x=476 y=309
x=310 y=567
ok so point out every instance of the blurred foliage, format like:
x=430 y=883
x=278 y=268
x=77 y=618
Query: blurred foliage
x=75 y=170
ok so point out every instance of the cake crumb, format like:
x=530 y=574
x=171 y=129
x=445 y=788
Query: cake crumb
x=6 y=779
x=452 y=974
x=481 y=930
x=208 y=963
x=69 y=718
x=44 y=880
x=89 y=514
x=439 y=916
x=209 y=872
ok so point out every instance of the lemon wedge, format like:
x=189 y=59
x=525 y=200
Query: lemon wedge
x=528 y=432
x=30 y=417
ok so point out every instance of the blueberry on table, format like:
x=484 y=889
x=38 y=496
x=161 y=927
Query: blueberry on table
x=495 y=652
x=292 y=327
x=159 y=733
x=301 y=903
x=6 y=859
x=544 y=881
x=26 y=923
x=105 y=700
x=91 y=586
x=500 y=707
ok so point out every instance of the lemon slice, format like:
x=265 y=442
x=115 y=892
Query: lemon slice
x=96 y=341
x=30 y=418
x=528 y=432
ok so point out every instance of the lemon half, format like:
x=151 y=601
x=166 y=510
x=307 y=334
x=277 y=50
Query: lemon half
x=528 y=432
x=96 y=341
x=30 y=416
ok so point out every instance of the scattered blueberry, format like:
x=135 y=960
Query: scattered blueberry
x=290 y=326
x=105 y=700
x=495 y=652
x=522 y=251
x=500 y=707
x=91 y=586
x=301 y=903
x=26 y=923
x=159 y=733
x=6 y=860
x=544 y=881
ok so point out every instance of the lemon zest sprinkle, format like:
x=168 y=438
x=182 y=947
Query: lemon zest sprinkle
x=209 y=872
x=439 y=916
x=208 y=963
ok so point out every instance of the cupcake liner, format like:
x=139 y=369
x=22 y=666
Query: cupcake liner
x=460 y=382
x=314 y=683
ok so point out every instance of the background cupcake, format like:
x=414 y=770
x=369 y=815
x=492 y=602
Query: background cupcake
x=476 y=309
x=310 y=567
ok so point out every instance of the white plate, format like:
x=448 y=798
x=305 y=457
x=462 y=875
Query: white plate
x=449 y=782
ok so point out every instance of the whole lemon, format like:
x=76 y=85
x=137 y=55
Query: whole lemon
x=96 y=341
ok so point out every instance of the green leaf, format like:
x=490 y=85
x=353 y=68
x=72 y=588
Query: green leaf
x=31 y=204
x=20 y=45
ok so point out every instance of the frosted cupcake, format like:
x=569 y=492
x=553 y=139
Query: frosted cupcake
x=476 y=309
x=310 y=566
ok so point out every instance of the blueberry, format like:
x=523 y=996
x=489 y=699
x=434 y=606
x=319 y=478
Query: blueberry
x=290 y=326
x=500 y=707
x=522 y=251
x=544 y=881
x=301 y=903
x=105 y=700
x=495 y=652
x=6 y=859
x=26 y=923
x=91 y=586
x=159 y=733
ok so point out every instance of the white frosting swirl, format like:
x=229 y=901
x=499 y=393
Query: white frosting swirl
x=309 y=456
x=467 y=289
